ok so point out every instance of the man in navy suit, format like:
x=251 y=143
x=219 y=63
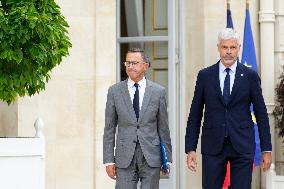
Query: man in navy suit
x=227 y=89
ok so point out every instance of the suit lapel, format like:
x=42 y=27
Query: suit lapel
x=127 y=100
x=216 y=81
x=146 y=99
x=237 y=83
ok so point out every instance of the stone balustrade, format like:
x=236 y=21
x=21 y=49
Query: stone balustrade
x=274 y=181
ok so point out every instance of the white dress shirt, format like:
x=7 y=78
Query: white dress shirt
x=223 y=73
x=141 y=88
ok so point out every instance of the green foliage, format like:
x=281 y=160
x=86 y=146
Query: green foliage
x=33 y=40
x=279 y=108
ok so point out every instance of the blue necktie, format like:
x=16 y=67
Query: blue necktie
x=226 y=89
x=136 y=101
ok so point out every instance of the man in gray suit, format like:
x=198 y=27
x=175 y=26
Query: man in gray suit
x=137 y=108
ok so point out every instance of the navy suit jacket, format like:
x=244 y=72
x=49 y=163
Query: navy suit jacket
x=236 y=115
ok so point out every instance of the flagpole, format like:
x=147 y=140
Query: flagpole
x=228 y=4
x=229 y=16
x=249 y=59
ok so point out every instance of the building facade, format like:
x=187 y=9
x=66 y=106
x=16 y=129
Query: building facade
x=180 y=37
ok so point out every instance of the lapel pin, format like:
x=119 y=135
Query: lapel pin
x=242 y=75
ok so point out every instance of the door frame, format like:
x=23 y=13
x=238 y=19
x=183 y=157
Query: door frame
x=174 y=78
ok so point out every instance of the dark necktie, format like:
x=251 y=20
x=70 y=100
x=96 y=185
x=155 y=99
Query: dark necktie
x=136 y=101
x=226 y=89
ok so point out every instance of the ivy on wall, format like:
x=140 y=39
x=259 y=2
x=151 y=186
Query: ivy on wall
x=279 y=108
x=33 y=40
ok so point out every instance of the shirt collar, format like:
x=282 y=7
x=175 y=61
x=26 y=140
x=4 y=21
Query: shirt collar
x=233 y=67
x=141 y=83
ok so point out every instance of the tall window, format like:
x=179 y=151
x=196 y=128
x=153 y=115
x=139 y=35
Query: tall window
x=144 y=24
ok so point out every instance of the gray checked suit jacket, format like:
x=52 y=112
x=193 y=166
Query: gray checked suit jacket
x=151 y=127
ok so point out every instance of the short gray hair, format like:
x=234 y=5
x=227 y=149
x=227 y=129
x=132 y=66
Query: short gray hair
x=228 y=33
x=143 y=54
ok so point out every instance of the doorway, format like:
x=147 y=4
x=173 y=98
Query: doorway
x=151 y=25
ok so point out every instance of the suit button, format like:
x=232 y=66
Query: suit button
x=138 y=127
x=134 y=141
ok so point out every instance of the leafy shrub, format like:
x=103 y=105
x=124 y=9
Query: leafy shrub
x=33 y=40
x=279 y=108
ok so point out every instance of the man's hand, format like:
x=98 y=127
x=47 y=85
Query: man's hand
x=191 y=161
x=169 y=170
x=110 y=169
x=266 y=160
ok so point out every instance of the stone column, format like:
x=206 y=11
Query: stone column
x=105 y=76
x=267 y=20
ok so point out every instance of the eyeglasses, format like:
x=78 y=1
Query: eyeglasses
x=133 y=63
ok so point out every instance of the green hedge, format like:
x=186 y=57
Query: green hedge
x=33 y=40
